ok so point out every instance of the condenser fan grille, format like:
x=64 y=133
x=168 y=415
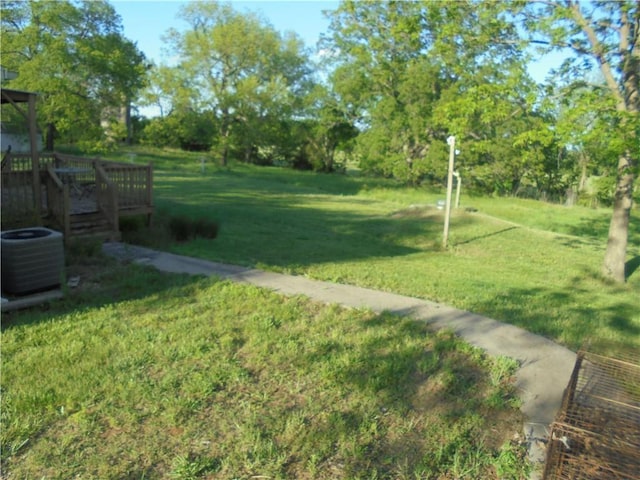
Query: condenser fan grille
x=32 y=260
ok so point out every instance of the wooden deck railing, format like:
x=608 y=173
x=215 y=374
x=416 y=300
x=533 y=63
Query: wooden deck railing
x=21 y=162
x=18 y=193
x=134 y=186
x=18 y=199
x=121 y=188
x=58 y=201
x=107 y=197
x=84 y=166
x=133 y=183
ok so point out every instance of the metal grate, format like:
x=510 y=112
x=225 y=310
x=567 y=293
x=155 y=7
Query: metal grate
x=596 y=435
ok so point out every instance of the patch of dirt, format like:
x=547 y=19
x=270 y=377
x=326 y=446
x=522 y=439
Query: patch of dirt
x=84 y=277
x=418 y=211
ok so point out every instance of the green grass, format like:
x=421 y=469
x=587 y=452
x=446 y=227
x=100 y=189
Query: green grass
x=528 y=263
x=139 y=374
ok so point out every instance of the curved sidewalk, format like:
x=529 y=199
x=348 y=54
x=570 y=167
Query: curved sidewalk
x=545 y=367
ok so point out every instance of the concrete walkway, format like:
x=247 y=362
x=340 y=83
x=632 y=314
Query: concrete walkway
x=545 y=367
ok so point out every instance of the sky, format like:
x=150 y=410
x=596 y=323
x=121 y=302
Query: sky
x=145 y=21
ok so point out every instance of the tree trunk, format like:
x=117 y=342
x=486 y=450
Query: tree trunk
x=582 y=184
x=225 y=154
x=616 y=253
x=328 y=152
x=225 y=133
x=51 y=129
x=128 y=124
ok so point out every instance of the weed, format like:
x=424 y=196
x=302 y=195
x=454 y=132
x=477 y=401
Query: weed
x=510 y=463
x=188 y=467
x=502 y=390
x=83 y=249
x=132 y=224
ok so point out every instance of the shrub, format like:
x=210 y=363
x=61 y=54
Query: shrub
x=205 y=228
x=183 y=228
x=131 y=224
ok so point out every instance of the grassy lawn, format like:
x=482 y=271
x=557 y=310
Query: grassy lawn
x=138 y=374
x=528 y=263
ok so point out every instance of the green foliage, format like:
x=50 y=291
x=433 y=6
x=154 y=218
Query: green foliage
x=413 y=87
x=248 y=77
x=330 y=130
x=181 y=228
x=189 y=468
x=75 y=57
x=509 y=463
x=187 y=130
x=78 y=250
x=205 y=228
x=597 y=190
x=605 y=36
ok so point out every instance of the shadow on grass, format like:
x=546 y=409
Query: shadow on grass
x=598 y=228
x=289 y=225
x=631 y=266
x=269 y=231
x=610 y=313
x=439 y=386
x=247 y=179
x=106 y=283
x=397 y=396
x=482 y=237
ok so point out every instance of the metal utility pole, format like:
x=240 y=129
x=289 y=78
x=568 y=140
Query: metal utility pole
x=451 y=141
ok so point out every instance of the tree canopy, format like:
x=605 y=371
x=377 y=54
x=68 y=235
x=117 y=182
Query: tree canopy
x=418 y=72
x=602 y=35
x=74 y=55
x=242 y=71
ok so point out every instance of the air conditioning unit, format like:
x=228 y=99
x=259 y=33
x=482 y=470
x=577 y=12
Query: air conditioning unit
x=32 y=260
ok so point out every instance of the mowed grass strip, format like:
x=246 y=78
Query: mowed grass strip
x=532 y=264
x=146 y=375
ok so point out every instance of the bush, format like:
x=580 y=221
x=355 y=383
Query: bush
x=131 y=224
x=184 y=228
x=186 y=130
x=205 y=228
x=180 y=228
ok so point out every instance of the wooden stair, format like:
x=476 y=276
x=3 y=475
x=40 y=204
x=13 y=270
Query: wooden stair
x=93 y=225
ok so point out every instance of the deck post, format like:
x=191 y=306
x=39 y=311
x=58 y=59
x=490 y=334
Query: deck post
x=150 y=193
x=35 y=161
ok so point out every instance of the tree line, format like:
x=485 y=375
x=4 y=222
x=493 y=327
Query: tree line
x=388 y=83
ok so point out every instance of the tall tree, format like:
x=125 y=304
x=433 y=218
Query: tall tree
x=375 y=48
x=329 y=128
x=587 y=137
x=75 y=56
x=242 y=69
x=421 y=71
x=601 y=34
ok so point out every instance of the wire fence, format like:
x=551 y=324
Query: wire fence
x=596 y=434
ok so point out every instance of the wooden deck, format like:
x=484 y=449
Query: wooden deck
x=78 y=195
